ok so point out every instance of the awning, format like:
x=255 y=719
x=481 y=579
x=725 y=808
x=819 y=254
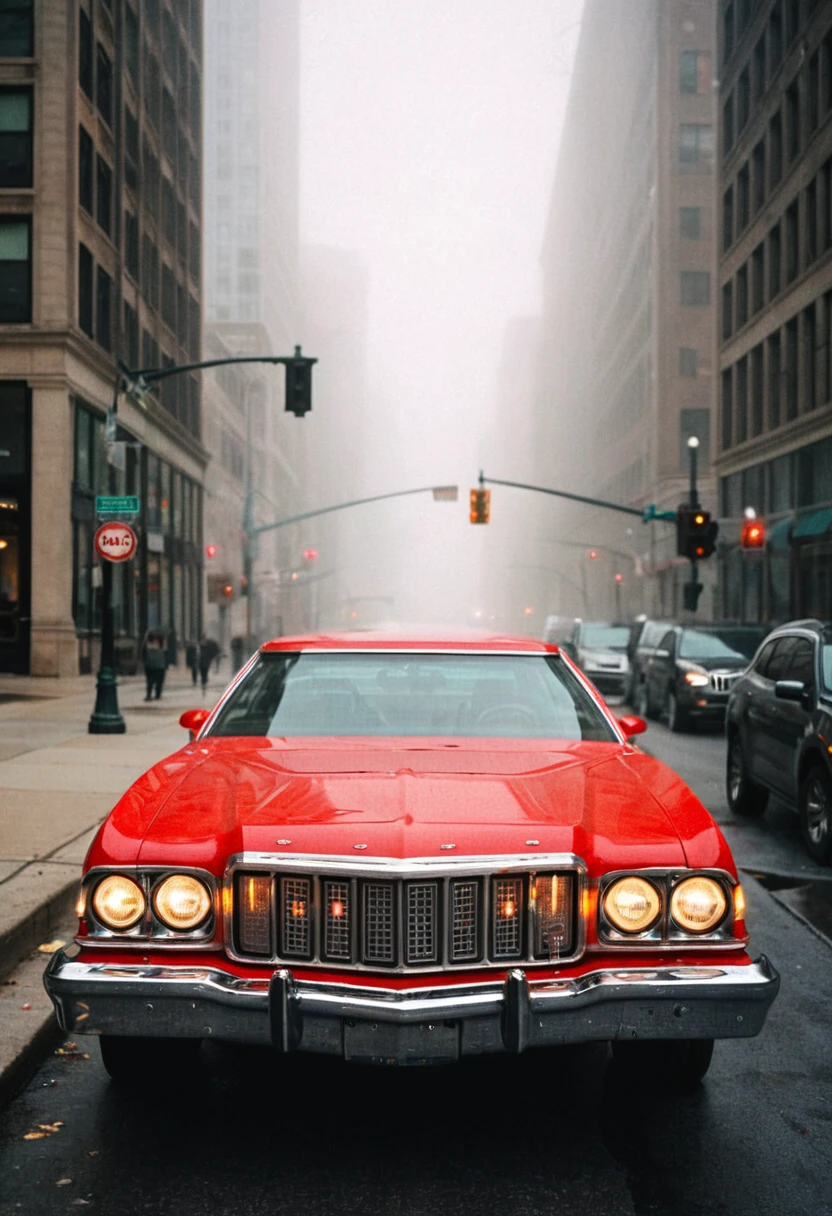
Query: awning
x=780 y=533
x=816 y=523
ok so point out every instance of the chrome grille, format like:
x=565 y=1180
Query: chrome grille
x=296 y=918
x=723 y=681
x=507 y=919
x=379 y=923
x=422 y=938
x=464 y=921
x=409 y=921
x=337 y=920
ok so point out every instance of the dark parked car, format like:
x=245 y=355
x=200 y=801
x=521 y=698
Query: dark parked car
x=685 y=672
x=600 y=650
x=779 y=728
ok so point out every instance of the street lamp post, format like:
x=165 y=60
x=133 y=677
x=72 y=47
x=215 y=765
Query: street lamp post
x=693 y=587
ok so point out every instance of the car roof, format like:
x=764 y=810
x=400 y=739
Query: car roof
x=469 y=640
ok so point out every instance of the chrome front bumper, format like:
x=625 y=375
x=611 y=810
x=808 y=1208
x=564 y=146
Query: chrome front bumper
x=415 y=1025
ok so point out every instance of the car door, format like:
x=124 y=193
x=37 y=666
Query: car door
x=661 y=668
x=745 y=708
x=768 y=720
x=794 y=717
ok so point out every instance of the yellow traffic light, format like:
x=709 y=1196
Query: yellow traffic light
x=480 y=506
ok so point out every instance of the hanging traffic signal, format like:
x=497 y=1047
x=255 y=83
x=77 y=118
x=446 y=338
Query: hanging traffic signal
x=696 y=532
x=480 y=506
x=210 y=550
x=299 y=384
x=753 y=535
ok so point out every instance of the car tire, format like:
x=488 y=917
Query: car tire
x=678 y=719
x=816 y=814
x=744 y=796
x=643 y=707
x=140 y=1063
x=675 y=1065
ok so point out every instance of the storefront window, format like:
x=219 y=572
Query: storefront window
x=83 y=460
x=780 y=497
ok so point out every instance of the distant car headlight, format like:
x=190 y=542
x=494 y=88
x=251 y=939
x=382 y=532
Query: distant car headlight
x=695 y=679
x=182 y=901
x=698 y=904
x=118 y=902
x=632 y=904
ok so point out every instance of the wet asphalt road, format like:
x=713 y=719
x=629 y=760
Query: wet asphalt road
x=548 y=1132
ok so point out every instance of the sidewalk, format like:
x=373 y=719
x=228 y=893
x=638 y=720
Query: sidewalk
x=57 y=783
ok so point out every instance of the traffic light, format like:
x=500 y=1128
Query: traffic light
x=309 y=555
x=210 y=550
x=480 y=506
x=753 y=535
x=696 y=532
x=299 y=384
x=228 y=590
x=593 y=553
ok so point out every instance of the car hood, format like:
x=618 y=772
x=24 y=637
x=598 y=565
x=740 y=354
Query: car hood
x=607 y=803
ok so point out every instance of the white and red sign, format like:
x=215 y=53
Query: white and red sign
x=115 y=541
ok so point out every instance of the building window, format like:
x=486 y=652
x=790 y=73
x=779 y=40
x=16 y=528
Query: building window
x=131 y=335
x=728 y=218
x=690 y=223
x=809 y=359
x=15 y=138
x=104 y=90
x=774 y=373
x=741 y=400
x=85 y=308
x=696 y=144
x=758 y=160
x=168 y=297
x=688 y=361
x=792 y=108
x=103 y=307
x=758 y=279
x=774 y=261
x=694 y=72
x=743 y=198
x=15 y=270
x=775 y=39
x=131 y=244
x=757 y=389
x=695 y=287
x=792 y=243
x=727 y=410
x=131 y=42
x=743 y=99
x=169 y=126
x=194 y=252
x=168 y=212
x=742 y=295
x=727 y=310
x=758 y=76
x=85 y=53
x=694 y=424
x=86 y=157
x=811 y=250
x=728 y=125
x=813 y=115
x=791 y=369
x=17 y=31
x=104 y=195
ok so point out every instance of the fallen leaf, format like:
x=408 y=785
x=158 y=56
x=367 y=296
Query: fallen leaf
x=26 y=1006
x=78 y=1202
x=10 y=982
x=50 y=1127
x=93 y=1152
x=35 y=1136
x=63 y=1182
x=51 y=947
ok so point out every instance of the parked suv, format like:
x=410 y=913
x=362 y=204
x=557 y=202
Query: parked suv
x=600 y=650
x=685 y=672
x=779 y=727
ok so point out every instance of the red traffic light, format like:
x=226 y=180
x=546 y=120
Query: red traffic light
x=309 y=555
x=593 y=553
x=753 y=534
x=228 y=590
x=210 y=550
x=619 y=578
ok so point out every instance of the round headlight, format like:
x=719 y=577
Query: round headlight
x=182 y=902
x=698 y=904
x=632 y=904
x=118 y=902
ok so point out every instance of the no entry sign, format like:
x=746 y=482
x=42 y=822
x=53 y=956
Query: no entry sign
x=115 y=541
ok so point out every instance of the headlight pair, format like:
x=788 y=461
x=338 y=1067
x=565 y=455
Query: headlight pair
x=633 y=904
x=180 y=901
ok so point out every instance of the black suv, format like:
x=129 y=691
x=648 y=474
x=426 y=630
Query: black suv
x=686 y=671
x=779 y=729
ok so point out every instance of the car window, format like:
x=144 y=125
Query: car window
x=695 y=644
x=316 y=694
x=604 y=637
x=781 y=659
x=651 y=635
x=802 y=663
x=764 y=658
x=668 y=642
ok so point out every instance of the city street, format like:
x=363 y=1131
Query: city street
x=534 y=1134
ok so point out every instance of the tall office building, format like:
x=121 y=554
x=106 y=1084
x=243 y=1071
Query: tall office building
x=775 y=432
x=629 y=330
x=252 y=303
x=100 y=262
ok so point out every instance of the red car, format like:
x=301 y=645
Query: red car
x=407 y=851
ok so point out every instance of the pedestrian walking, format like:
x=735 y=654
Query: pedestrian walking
x=208 y=651
x=237 y=647
x=155 y=664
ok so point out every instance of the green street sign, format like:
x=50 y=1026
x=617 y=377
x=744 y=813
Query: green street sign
x=117 y=504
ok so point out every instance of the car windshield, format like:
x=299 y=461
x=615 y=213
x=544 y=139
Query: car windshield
x=605 y=637
x=382 y=694
x=694 y=644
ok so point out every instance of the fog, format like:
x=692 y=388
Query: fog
x=428 y=137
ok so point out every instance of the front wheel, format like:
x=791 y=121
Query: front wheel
x=816 y=814
x=675 y=1065
x=677 y=718
x=744 y=796
x=140 y=1062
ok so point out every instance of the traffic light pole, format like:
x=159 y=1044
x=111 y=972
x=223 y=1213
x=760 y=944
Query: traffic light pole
x=693 y=588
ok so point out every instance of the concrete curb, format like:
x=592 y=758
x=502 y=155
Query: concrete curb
x=30 y=1031
x=39 y=923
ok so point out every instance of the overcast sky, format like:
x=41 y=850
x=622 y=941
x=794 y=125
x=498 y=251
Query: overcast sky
x=429 y=133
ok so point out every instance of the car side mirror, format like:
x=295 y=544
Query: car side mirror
x=661 y=654
x=790 y=690
x=192 y=720
x=631 y=725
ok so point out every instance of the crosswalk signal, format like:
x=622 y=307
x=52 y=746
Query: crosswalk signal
x=480 y=506
x=753 y=535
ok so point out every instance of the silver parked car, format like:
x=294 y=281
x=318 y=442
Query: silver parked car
x=600 y=650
